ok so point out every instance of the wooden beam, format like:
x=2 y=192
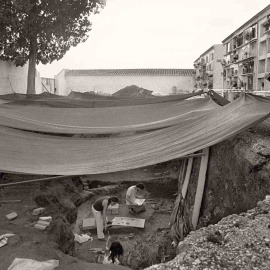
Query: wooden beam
x=181 y=174
x=11 y=201
x=36 y=180
x=200 y=188
x=192 y=155
x=187 y=177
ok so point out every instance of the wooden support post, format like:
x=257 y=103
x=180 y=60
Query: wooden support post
x=187 y=177
x=35 y=180
x=181 y=175
x=200 y=188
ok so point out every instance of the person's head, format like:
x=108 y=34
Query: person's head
x=116 y=250
x=140 y=187
x=113 y=200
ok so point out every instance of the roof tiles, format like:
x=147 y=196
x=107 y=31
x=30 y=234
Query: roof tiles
x=129 y=72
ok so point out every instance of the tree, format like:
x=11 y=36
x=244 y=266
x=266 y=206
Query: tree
x=43 y=30
x=201 y=77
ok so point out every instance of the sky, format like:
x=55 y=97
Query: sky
x=154 y=33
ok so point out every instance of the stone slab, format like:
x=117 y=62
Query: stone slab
x=48 y=219
x=11 y=216
x=38 y=211
x=40 y=227
x=89 y=223
x=128 y=222
x=44 y=223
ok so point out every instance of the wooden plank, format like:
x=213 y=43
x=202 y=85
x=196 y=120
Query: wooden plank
x=192 y=155
x=187 y=177
x=11 y=201
x=200 y=188
x=181 y=174
x=36 y=180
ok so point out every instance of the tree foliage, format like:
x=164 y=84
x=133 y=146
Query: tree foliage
x=41 y=31
x=201 y=77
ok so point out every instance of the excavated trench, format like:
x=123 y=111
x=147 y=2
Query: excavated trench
x=70 y=202
x=237 y=177
x=142 y=247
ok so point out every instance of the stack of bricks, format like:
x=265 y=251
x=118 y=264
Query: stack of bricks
x=43 y=223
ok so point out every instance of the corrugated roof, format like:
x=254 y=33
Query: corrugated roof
x=129 y=72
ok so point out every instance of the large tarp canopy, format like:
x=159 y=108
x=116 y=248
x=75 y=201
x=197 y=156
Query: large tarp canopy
x=25 y=151
x=87 y=100
x=103 y=120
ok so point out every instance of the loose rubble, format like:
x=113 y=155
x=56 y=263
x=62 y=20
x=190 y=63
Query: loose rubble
x=236 y=242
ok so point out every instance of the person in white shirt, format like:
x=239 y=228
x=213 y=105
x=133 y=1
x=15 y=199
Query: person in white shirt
x=132 y=194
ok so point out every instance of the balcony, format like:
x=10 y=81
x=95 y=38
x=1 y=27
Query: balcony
x=266 y=25
x=248 y=59
x=247 y=74
x=267 y=33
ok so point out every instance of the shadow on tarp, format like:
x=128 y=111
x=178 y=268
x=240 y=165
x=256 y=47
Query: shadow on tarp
x=87 y=100
x=218 y=98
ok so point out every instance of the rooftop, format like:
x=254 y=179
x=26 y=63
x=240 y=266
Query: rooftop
x=251 y=20
x=130 y=72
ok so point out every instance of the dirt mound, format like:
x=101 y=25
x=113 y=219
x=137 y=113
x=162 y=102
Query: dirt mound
x=236 y=242
x=133 y=91
x=61 y=233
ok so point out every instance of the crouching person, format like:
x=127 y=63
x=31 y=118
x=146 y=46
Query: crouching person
x=99 y=209
x=133 y=193
x=113 y=255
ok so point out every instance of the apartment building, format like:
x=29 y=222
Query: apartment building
x=246 y=62
x=208 y=69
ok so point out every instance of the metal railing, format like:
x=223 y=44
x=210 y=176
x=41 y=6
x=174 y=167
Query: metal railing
x=222 y=92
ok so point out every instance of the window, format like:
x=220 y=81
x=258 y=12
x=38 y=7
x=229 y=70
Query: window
x=253 y=31
x=261 y=66
x=228 y=47
x=268 y=65
x=266 y=24
x=240 y=40
x=262 y=48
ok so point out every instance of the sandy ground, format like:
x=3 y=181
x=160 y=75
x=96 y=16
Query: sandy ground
x=155 y=219
x=31 y=243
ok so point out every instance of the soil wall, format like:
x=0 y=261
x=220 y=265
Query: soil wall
x=238 y=176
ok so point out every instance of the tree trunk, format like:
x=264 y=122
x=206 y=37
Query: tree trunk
x=32 y=68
